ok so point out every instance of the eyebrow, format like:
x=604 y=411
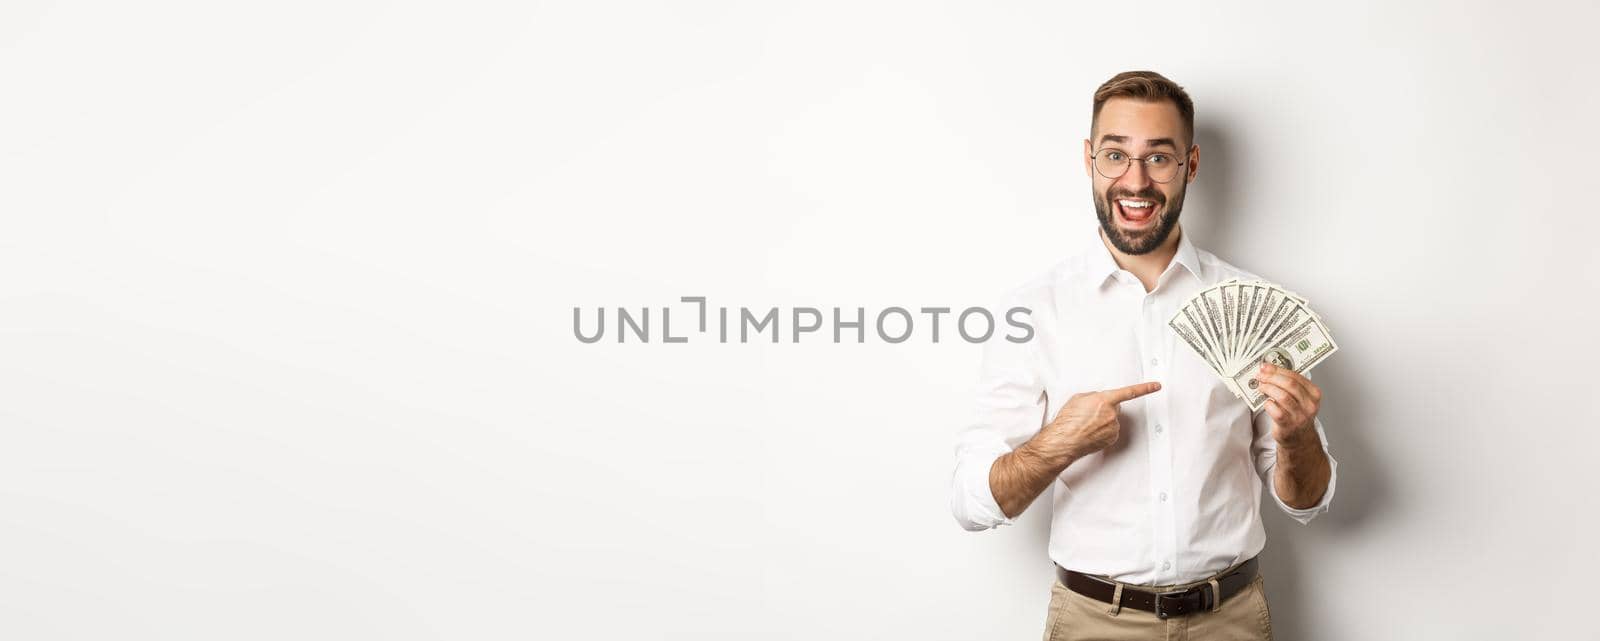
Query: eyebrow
x=1149 y=142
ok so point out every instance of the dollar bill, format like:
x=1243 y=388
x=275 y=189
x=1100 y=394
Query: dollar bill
x=1227 y=293
x=1297 y=350
x=1237 y=324
x=1183 y=327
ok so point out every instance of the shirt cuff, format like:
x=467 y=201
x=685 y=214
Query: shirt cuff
x=973 y=503
x=1305 y=515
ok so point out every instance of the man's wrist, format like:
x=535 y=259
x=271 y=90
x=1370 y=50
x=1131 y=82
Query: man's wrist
x=1303 y=442
x=1051 y=457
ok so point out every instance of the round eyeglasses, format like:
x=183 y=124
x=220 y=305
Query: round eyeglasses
x=1113 y=163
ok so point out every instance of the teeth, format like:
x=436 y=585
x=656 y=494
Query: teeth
x=1137 y=204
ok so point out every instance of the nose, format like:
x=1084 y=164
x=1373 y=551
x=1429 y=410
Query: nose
x=1136 y=178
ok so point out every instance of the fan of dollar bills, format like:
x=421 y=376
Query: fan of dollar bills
x=1235 y=325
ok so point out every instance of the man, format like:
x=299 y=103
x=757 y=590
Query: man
x=1156 y=469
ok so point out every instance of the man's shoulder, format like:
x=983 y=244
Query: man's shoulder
x=1218 y=270
x=1041 y=286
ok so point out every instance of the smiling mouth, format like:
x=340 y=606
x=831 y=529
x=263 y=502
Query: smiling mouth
x=1136 y=212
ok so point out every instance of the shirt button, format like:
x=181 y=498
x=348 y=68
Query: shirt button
x=1158 y=428
x=1166 y=565
x=1163 y=497
x=1155 y=361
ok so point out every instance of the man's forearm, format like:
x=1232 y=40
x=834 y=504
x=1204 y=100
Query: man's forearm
x=1302 y=473
x=1087 y=423
x=1017 y=478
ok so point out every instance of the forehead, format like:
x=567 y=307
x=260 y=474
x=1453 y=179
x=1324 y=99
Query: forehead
x=1139 y=120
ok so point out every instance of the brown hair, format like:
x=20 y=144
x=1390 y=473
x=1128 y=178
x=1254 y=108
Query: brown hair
x=1148 y=86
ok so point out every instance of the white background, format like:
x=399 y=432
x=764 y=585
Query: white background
x=286 y=296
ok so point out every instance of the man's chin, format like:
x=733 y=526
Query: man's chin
x=1134 y=233
x=1134 y=242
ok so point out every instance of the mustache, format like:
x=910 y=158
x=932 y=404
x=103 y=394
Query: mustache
x=1148 y=194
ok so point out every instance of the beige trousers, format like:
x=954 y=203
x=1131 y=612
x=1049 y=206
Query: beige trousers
x=1075 y=617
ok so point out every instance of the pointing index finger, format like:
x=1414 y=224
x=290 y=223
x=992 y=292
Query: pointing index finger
x=1124 y=394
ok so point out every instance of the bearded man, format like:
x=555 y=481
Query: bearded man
x=1156 y=468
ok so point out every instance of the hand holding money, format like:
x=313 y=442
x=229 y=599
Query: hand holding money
x=1292 y=402
x=1235 y=326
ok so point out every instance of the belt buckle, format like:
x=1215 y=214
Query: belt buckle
x=1161 y=613
x=1179 y=595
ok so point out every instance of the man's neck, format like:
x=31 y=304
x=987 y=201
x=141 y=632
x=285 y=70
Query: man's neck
x=1146 y=267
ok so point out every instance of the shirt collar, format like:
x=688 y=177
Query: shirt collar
x=1099 y=265
x=1188 y=256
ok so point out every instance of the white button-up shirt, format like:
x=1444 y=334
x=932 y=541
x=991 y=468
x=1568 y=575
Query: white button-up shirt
x=1178 y=497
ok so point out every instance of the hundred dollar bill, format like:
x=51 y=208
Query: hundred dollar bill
x=1278 y=304
x=1180 y=325
x=1254 y=298
x=1183 y=325
x=1298 y=349
x=1242 y=310
x=1236 y=324
x=1211 y=313
x=1227 y=292
x=1291 y=321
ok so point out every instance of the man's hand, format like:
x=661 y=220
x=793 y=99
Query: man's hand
x=1303 y=470
x=1292 y=402
x=1087 y=423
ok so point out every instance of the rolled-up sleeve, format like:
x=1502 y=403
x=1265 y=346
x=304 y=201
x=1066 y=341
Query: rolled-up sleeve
x=1265 y=451
x=1009 y=410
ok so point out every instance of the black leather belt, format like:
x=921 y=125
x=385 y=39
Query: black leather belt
x=1164 y=604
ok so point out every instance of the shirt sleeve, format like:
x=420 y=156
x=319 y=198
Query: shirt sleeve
x=1009 y=410
x=1265 y=451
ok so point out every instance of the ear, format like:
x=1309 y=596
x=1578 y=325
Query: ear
x=1194 y=162
x=1088 y=160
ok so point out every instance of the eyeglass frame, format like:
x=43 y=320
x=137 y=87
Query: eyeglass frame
x=1096 y=157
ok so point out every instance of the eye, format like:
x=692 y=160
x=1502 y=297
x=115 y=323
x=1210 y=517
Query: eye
x=1157 y=160
x=1115 y=155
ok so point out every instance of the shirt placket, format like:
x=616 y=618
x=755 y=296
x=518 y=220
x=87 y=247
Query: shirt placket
x=1154 y=354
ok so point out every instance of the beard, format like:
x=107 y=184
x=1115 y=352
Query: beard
x=1135 y=243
